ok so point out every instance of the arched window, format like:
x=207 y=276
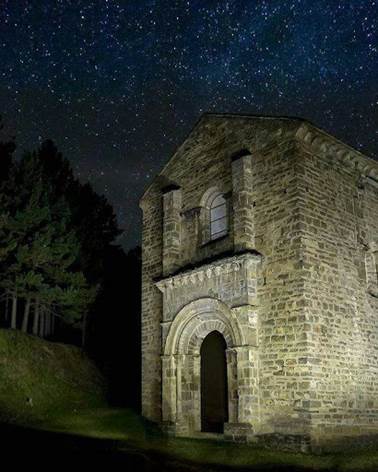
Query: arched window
x=214 y=216
x=218 y=217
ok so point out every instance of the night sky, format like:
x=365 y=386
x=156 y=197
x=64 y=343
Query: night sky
x=119 y=84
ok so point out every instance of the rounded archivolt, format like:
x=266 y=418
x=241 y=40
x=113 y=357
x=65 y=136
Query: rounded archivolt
x=196 y=320
x=208 y=196
x=197 y=330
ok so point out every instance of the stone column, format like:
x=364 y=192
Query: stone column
x=243 y=395
x=232 y=385
x=244 y=231
x=171 y=229
x=169 y=389
x=180 y=359
x=188 y=395
x=196 y=424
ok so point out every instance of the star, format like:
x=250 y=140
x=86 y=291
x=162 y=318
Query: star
x=118 y=85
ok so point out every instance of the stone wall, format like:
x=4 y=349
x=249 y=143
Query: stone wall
x=307 y=207
x=339 y=225
x=152 y=267
x=283 y=344
x=204 y=162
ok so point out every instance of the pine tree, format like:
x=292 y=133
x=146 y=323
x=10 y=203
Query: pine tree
x=54 y=233
x=92 y=217
x=37 y=257
x=7 y=148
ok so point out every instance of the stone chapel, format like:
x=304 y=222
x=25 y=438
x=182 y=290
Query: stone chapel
x=260 y=286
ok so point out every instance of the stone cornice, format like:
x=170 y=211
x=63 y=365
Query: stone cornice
x=208 y=271
x=323 y=143
x=287 y=128
x=369 y=181
x=373 y=290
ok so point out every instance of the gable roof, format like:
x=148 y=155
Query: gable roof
x=304 y=131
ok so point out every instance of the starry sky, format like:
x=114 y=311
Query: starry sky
x=119 y=84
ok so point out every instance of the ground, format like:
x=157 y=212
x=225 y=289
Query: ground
x=69 y=419
x=129 y=433
x=40 y=380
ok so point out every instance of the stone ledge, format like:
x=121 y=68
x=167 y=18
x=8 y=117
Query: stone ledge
x=322 y=142
x=373 y=290
x=237 y=432
x=322 y=444
x=174 y=429
x=168 y=428
x=284 y=442
x=207 y=270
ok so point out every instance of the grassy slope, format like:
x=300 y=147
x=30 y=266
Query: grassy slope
x=68 y=397
x=57 y=379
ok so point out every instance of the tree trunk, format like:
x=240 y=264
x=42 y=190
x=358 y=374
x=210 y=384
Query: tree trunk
x=6 y=307
x=25 y=321
x=84 y=331
x=52 y=325
x=36 y=318
x=42 y=324
x=48 y=324
x=14 y=312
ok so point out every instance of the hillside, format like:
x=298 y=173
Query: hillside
x=40 y=380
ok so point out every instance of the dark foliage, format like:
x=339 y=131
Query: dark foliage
x=91 y=214
x=40 y=195
x=54 y=234
x=113 y=338
x=7 y=149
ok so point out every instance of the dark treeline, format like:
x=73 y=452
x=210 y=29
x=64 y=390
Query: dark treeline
x=61 y=275
x=114 y=340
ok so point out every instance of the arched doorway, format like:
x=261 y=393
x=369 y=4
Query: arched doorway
x=181 y=363
x=214 y=394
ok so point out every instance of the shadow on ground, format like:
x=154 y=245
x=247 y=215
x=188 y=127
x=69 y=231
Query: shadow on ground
x=48 y=449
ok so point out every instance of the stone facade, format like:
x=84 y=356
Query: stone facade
x=292 y=286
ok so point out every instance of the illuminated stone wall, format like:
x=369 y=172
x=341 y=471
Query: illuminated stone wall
x=295 y=279
x=339 y=226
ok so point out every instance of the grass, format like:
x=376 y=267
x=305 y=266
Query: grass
x=67 y=396
x=131 y=431
x=40 y=380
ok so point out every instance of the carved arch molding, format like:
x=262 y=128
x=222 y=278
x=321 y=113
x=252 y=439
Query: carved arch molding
x=181 y=366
